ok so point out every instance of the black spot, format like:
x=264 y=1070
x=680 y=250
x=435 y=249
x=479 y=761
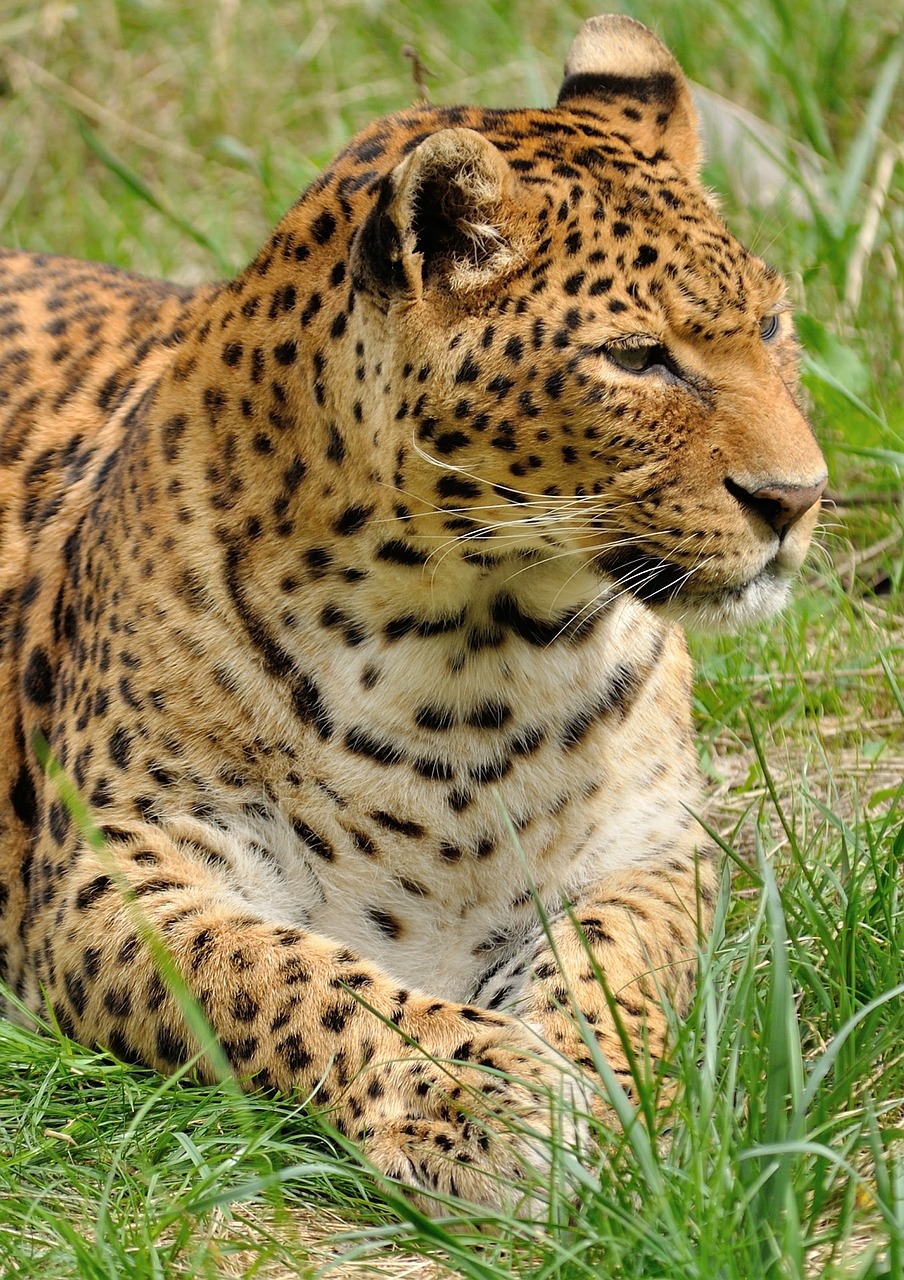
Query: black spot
x=240 y=1051
x=111 y=384
x=370 y=676
x=392 y=823
x=244 y=1007
x=490 y=715
x=160 y=885
x=332 y=616
x=294 y=1053
x=595 y=931
x=434 y=717
x=506 y=613
x=38 y=680
x=352 y=519
x=286 y=353
x=202 y=946
x=122 y=1048
x=335 y=1018
x=468 y=371
x=335 y=451
x=75 y=990
x=120 y=747
x=514 y=349
x=490 y=771
x=90 y=892
x=101 y=795
x=156 y=993
x=452 y=485
x=388 y=925
x=527 y=741
x=364 y=844
x=171 y=434
x=118 y=1002
x=433 y=769
x=397 y=552
x=318 y=560
x=361 y=743
x=500 y=386
x=126 y=953
x=315 y=842
x=309 y=706
x=449 y=441
x=477 y=1015
x=400 y=627
x=579 y=726
x=324 y=227
x=171 y=1048
x=23 y=798
x=314 y=304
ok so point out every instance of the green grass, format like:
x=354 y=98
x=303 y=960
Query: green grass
x=168 y=137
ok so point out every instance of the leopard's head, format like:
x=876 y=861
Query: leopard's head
x=584 y=362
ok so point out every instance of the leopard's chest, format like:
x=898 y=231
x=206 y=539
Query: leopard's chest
x=461 y=784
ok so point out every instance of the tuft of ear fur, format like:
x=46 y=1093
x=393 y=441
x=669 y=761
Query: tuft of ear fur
x=443 y=217
x=620 y=65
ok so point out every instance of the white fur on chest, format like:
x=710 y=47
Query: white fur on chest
x=438 y=831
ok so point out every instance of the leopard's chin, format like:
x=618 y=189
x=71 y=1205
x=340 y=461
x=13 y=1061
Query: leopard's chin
x=673 y=591
x=731 y=608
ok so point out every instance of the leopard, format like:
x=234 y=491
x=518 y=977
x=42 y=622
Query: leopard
x=344 y=677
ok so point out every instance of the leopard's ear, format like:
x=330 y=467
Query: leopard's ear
x=617 y=68
x=444 y=219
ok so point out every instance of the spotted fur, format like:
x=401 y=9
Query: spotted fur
x=348 y=596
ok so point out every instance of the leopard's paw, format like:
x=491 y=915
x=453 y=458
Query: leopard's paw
x=505 y=1128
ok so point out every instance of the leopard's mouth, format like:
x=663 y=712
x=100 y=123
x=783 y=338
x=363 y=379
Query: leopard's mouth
x=677 y=591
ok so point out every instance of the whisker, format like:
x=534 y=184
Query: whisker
x=531 y=520
x=556 y=515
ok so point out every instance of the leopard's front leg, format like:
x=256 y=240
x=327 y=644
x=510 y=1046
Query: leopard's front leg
x=639 y=929
x=445 y=1097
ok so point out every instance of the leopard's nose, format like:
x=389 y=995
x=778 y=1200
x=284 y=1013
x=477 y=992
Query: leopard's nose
x=779 y=505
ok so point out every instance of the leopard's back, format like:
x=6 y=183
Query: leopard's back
x=79 y=343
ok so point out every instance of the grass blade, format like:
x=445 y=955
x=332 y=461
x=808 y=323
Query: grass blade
x=865 y=144
x=134 y=183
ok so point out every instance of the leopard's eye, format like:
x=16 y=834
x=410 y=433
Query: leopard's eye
x=636 y=359
x=769 y=327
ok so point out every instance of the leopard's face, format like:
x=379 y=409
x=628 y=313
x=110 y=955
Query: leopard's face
x=603 y=373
